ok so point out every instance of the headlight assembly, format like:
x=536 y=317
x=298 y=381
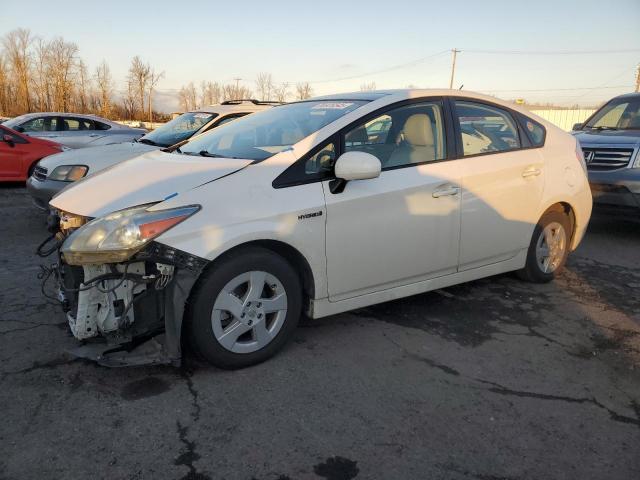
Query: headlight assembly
x=69 y=173
x=116 y=237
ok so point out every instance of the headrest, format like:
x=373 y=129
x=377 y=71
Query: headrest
x=359 y=135
x=417 y=130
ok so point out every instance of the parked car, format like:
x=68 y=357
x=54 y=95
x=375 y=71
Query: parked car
x=19 y=154
x=301 y=210
x=74 y=130
x=610 y=140
x=52 y=174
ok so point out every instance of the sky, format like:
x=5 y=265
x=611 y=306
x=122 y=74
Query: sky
x=563 y=51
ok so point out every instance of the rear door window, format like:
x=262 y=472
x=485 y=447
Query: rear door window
x=485 y=129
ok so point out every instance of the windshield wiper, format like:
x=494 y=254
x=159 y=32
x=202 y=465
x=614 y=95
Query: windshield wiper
x=604 y=127
x=148 y=142
x=204 y=153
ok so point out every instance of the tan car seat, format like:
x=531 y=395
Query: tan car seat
x=417 y=145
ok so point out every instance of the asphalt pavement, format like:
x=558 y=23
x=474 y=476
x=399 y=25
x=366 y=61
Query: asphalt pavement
x=494 y=380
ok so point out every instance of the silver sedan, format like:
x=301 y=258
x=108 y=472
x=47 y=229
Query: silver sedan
x=74 y=130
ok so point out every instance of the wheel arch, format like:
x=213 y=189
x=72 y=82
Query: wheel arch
x=291 y=254
x=567 y=209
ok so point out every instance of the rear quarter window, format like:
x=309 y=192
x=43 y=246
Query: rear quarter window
x=535 y=131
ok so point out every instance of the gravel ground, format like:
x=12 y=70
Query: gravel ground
x=494 y=379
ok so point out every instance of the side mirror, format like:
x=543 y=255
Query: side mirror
x=8 y=139
x=354 y=166
x=576 y=126
x=357 y=166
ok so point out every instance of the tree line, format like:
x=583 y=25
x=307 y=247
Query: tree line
x=209 y=93
x=39 y=75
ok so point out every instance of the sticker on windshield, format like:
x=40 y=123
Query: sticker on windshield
x=332 y=106
x=201 y=115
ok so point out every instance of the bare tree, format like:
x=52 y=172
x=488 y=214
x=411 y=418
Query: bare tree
x=16 y=46
x=139 y=73
x=104 y=83
x=5 y=86
x=129 y=100
x=303 y=91
x=61 y=62
x=41 y=77
x=188 y=97
x=83 y=88
x=264 y=86
x=211 y=93
x=367 y=87
x=281 y=92
x=154 y=78
x=233 y=91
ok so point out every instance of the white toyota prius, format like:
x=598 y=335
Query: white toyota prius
x=311 y=208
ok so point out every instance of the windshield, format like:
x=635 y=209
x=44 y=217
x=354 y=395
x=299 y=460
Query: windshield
x=178 y=129
x=621 y=114
x=262 y=135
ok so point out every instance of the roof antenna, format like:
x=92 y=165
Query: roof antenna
x=462 y=85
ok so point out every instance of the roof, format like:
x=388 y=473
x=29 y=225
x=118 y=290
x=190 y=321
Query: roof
x=234 y=106
x=629 y=95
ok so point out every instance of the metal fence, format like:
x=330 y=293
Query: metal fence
x=565 y=119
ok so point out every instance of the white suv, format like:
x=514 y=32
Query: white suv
x=314 y=208
x=56 y=172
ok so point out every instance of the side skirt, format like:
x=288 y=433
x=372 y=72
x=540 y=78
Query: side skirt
x=323 y=307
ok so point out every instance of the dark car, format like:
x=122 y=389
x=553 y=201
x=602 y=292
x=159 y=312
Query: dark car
x=610 y=141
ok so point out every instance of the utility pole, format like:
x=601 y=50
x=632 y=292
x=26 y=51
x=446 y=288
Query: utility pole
x=638 y=78
x=453 y=66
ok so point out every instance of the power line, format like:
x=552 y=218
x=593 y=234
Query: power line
x=551 y=52
x=554 y=89
x=384 y=70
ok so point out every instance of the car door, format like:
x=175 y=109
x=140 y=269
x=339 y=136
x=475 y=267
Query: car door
x=14 y=150
x=402 y=227
x=76 y=132
x=502 y=184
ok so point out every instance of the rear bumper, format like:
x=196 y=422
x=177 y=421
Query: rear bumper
x=42 y=191
x=617 y=188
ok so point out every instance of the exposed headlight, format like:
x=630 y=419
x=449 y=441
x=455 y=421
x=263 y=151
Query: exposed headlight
x=114 y=238
x=69 y=173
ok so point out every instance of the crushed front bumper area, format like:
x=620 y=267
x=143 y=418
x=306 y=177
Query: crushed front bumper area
x=130 y=313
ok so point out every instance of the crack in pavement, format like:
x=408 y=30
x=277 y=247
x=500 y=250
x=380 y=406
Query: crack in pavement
x=49 y=365
x=187 y=374
x=31 y=327
x=189 y=456
x=502 y=390
x=446 y=369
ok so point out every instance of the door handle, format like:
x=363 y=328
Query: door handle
x=531 y=172
x=445 y=191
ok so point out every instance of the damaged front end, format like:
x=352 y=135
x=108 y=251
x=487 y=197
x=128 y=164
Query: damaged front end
x=123 y=292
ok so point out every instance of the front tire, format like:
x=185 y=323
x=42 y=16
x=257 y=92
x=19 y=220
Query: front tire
x=548 y=249
x=245 y=309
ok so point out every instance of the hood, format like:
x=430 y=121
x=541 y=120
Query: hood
x=149 y=178
x=96 y=158
x=610 y=137
x=45 y=143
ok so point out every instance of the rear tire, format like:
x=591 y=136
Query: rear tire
x=548 y=249
x=244 y=309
